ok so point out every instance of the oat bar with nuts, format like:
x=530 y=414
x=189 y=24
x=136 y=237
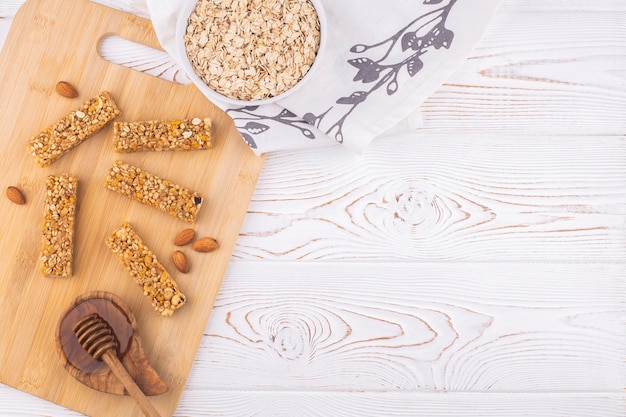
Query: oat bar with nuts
x=153 y=191
x=70 y=131
x=146 y=270
x=58 y=225
x=160 y=135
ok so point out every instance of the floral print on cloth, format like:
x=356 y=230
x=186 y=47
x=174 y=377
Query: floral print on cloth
x=382 y=60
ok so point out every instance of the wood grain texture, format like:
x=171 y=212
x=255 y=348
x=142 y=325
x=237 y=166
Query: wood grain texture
x=119 y=319
x=540 y=68
x=498 y=327
x=516 y=6
x=519 y=165
x=390 y=404
x=400 y=404
x=8 y=8
x=49 y=42
x=443 y=197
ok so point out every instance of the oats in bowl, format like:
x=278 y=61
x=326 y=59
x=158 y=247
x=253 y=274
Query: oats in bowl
x=251 y=50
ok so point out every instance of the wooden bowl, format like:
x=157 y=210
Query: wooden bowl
x=96 y=374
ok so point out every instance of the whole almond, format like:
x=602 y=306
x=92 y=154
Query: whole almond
x=65 y=89
x=205 y=244
x=180 y=261
x=15 y=195
x=184 y=237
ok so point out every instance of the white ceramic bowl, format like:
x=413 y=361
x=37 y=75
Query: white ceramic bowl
x=181 y=29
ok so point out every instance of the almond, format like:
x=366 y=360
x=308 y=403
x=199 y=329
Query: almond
x=65 y=89
x=180 y=261
x=205 y=244
x=15 y=195
x=184 y=237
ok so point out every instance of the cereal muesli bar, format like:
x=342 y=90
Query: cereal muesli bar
x=153 y=191
x=162 y=135
x=58 y=225
x=71 y=130
x=146 y=270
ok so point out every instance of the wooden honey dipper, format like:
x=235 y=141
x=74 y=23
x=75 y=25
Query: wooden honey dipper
x=95 y=336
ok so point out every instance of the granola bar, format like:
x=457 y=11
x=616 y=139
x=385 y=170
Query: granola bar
x=158 y=135
x=70 y=131
x=139 y=185
x=58 y=225
x=146 y=270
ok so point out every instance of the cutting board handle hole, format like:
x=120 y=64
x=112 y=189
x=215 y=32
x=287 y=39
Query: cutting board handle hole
x=142 y=58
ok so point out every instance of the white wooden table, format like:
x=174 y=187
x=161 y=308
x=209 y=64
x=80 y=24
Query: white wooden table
x=472 y=268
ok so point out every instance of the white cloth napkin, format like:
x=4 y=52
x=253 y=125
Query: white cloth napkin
x=383 y=59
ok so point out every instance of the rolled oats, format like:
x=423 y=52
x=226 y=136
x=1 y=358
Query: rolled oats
x=70 y=131
x=252 y=49
x=146 y=270
x=58 y=225
x=153 y=191
x=162 y=135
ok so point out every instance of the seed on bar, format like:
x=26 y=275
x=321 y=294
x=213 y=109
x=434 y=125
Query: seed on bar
x=73 y=129
x=153 y=191
x=159 y=135
x=58 y=225
x=144 y=267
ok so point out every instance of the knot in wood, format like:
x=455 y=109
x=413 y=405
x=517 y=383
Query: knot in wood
x=413 y=208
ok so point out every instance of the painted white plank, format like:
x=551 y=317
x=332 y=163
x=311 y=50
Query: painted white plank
x=517 y=6
x=5 y=25
x=556 y=70
x=497 y=327
x=8 y=8
x=399 y=404
x=198 y=403
x=443 y=197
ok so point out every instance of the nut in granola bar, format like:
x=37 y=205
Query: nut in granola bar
x=162 y=135
x=58 y=225
x=153 y=191
x=73 y=129
x=144 y=267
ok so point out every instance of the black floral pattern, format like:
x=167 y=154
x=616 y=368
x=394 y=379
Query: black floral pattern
x=378 y=66
x=251 y=120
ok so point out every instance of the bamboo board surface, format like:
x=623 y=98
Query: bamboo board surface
x=47 y=43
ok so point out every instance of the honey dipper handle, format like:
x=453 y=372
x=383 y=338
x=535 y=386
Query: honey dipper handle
x=121 y=373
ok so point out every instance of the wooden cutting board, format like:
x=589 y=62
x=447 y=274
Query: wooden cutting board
x=48 y=42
